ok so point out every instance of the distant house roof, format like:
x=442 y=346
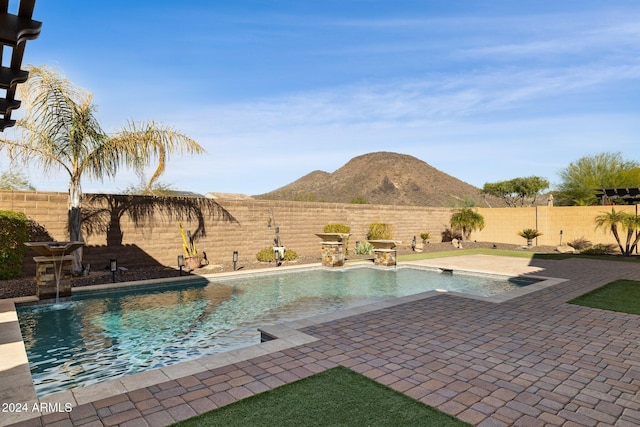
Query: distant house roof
x=628 y=194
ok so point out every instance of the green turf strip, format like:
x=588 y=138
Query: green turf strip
x=513 y=253
x=336 y=397
x=621 y=295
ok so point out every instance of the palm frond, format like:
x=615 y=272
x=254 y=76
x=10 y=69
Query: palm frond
x=145 y=142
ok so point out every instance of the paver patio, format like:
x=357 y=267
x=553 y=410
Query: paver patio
x=532 y=360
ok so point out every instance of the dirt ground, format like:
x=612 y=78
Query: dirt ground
x=26 y=286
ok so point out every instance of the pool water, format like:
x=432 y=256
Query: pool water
x=105 y=335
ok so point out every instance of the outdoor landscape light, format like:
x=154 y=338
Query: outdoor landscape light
x=235 y=259
x=113 y=266
x=180 y=263
x=560 y=237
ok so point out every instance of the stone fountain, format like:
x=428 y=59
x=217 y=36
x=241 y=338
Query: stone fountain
x=53 y=268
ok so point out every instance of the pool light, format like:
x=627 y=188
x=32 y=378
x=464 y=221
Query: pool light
x=180 y=263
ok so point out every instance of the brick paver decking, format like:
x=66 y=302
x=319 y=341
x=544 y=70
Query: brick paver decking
x=531 y=361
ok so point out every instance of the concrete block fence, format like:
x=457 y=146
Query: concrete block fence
x=255 y=223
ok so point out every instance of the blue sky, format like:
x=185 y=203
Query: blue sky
x=482 y=90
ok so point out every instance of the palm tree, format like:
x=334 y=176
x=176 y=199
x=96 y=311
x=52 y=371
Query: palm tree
x=529 y=234
x=60 y=132
x=467 y=220
x=627 y=222
x=632 y=224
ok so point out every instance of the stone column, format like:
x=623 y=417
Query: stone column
x=332 y=254
x=384 y=257
x=47 y=269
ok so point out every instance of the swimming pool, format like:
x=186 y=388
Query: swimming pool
x=110 y=334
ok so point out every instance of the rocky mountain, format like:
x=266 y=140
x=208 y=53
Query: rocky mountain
x=381 y=178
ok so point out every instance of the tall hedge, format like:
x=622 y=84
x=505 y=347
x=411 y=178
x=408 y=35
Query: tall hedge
x=14 y=232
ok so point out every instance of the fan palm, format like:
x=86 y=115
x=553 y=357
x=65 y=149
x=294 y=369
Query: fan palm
x=60 y=132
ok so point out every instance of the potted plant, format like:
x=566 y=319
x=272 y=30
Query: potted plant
x=425 y=236
x=529 y=234
x=342 y=229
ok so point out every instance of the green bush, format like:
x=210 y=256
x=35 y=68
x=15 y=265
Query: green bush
x=336 y=228
x=600 y=249
x=580 y=244
x=266 y=255
x=425 y=235
x=14 y=232
x=448 y=235
x=380 y=231
x=359 y=200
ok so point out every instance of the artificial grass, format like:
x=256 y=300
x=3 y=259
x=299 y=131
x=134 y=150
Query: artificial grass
x=336 y=397
x=620 y=295
x=513 y=253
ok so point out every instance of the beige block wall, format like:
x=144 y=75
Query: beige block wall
x=298 y=222
x=47 y=209
x=503 y=224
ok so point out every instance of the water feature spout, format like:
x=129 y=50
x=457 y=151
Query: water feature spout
x=55 y=255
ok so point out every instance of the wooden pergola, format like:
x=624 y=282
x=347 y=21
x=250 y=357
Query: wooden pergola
x=626 y=194
x=15 y=30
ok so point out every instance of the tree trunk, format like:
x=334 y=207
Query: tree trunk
x=635 y=244
x=75 y=230
x=114 y=230
x=614 y=231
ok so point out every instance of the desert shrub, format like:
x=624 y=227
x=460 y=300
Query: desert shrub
x=425 y=235
x=14 y=232
x=359 y=200
x=449 y=234
x=305 y=197
x=380 y=231
x=266 y=255
x=364 y=248
x=600 y=249
x=337 y=228
x=580 y=244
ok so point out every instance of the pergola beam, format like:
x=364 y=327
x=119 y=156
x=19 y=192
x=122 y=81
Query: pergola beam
x=15 y=30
